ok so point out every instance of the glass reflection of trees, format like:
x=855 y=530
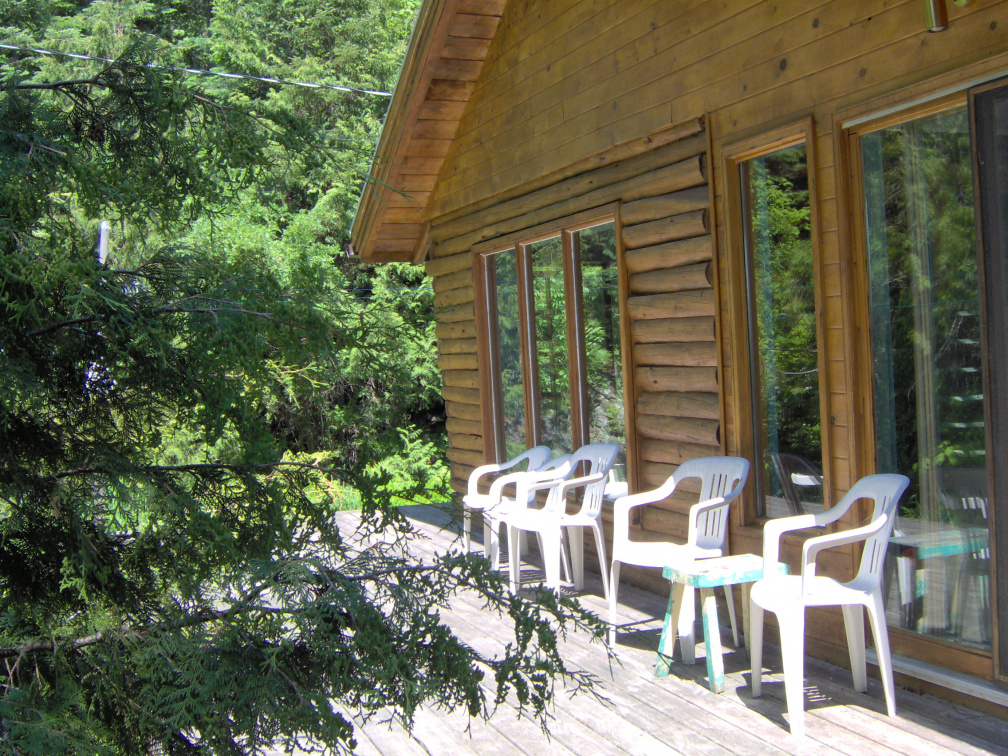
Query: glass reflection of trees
x=782 y=300
x=551 y=308
x=509 y=357
x=929 y=403
x=550 y=313
x=602 y=335
x=925 y=303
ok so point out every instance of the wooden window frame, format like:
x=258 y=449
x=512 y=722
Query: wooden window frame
x=737 y=280
x=487 y=337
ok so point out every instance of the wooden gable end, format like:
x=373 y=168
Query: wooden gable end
x=644 y=110
x=444 y=59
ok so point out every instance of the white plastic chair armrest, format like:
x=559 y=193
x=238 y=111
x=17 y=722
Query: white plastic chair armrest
x=571 y=484
x=563 y=486
x=497 y=488
x=812 y=547
x=479 y=472
x=772 y=533
x=623 y=505
x=803 y=479
x=530 y=482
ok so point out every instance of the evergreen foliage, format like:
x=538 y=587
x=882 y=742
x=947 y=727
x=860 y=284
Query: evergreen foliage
x=178 y=423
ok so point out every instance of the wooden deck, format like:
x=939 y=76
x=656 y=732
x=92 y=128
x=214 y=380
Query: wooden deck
x=642 y=714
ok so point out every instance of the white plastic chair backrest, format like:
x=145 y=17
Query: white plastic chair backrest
x=597 y=459
x=720 y=477
x=885 y=491
x=537 y=456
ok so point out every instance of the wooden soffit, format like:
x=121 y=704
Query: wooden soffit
x=444 y=58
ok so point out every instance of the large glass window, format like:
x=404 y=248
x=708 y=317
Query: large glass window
x=509 y=350
x=555 y=359
x=928 y=371
x=603 y=357
x=783 y=355
x=551 y=353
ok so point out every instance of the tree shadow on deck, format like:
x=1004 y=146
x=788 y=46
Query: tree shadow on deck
x=839 y=720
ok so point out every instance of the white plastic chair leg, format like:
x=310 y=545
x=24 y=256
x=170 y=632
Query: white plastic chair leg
x=550 y=540
x=876 y=618
x=575 y=540
x=514 y=559
x=491 y=543
x=600 y=547
x=686 y=628
x=614 y=572
x=564 y=560
x=730 y=599
x=853 y=615
x=756 y=648
x=792 y=635
x=467 y=528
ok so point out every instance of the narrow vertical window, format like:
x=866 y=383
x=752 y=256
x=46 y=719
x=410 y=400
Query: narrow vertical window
x=552 y=374
x=603 y=356
x=990 y=115
x=783 y=357
x=506 y=328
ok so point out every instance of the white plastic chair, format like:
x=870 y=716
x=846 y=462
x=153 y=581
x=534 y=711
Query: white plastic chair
x=550 y=522
x=493 y=515
x=721 y=482
x=535 y=458
x=788 y=595
x=615 y=487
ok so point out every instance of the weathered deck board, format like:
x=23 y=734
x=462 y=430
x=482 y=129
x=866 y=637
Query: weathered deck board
x=641 y=714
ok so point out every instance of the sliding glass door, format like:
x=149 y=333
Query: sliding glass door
x=928 y=359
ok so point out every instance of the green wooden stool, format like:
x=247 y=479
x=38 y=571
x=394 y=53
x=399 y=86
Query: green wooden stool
x=707 y=574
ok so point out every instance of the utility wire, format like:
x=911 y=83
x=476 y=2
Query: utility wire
x=204 y=72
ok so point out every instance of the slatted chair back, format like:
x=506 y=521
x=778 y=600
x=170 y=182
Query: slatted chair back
x=720 y=478
x=589 y=460
x=884 y=491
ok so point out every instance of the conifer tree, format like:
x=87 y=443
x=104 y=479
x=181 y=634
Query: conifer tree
x=170 y=575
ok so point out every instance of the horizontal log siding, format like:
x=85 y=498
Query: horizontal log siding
x=456 y=343
x=459 y=363
x=665 y=232
x=598 y=74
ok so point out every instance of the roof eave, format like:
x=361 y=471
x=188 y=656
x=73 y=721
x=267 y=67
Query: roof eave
x=415 y=76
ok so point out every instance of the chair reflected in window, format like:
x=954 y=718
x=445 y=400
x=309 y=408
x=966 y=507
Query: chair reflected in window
x=941 y=576
x=799 y=479
x=964 y=495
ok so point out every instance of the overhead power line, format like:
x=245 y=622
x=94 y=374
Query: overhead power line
x=204 y=72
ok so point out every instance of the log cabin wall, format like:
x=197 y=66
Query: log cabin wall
x=569 y=84
x=667 y=303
